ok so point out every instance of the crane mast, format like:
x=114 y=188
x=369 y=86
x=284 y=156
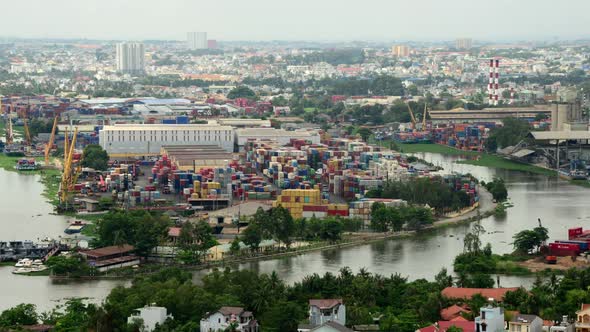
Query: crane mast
x=49 y=144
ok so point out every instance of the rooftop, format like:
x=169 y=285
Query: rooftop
x=468 y=293
x=170 y=127
x=108 y=251
x=325 y=303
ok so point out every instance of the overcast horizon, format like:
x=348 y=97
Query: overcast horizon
x=305 y=20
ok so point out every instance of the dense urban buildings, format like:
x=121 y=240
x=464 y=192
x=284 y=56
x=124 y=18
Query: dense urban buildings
x=401 y=51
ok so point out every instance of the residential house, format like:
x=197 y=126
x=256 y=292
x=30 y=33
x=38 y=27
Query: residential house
x=324 y=311
x=328 y=310
x=150 y=316
x=226 y=316
x=490 y=319
x=564 y=326
x=583 y=319
x=525 y=323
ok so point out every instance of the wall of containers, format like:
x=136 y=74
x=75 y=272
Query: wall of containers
x=235 y=181
x=463 y=136
x=578 y=242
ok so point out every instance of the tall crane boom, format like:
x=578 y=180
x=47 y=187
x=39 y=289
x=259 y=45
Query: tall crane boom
x=50 y=142
x=68 y=174
x=424 y=117
x=27 y=133
x=412 y=116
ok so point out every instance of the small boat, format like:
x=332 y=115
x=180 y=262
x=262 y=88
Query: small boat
x=22 y=270
x=75 y=227
x=38 y=268
x=37 y=262
x=25 y=262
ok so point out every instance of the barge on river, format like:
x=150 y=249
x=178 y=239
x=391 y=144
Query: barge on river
x=15 y=250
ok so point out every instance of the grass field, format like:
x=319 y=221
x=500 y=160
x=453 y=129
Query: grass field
x=434 y=148
x=483 y=159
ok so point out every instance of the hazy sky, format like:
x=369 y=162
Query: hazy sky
x=379 y=20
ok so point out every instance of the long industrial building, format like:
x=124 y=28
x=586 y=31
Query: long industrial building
x=487 y=114
x=129 y=140
x=283 y=137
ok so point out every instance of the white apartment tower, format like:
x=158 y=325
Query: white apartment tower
x=130 y=58
x=197 y=40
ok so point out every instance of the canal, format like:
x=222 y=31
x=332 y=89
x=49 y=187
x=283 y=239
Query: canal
x=558 y=204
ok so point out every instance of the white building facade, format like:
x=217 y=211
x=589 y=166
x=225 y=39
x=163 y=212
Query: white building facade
x=130 y=57
x=150 y=316
x=196 y=40
x=147 y=139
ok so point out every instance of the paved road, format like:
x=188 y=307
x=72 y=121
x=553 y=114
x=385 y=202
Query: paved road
x=486 y=204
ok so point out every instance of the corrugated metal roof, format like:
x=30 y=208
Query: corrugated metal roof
x=560 y=135
x=165 y=127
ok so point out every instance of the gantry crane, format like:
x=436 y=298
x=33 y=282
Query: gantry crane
x=49 y=144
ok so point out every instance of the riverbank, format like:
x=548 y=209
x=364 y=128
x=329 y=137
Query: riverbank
x=50 y=178
x=477 y=158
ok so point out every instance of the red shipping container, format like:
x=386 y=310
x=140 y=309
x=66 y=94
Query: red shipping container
x=342 y=213
x=285 y=199
x=565 y=246
x=573 y=232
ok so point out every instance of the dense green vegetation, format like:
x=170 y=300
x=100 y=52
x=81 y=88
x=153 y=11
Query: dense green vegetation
x=384 y=219
x=142 y=229
x=497 y=188
x=73 y=266
x=241 y=92
x=509 y=134
x=401 y=305
x=421 y=191
x=493 y=161
x=94 y=156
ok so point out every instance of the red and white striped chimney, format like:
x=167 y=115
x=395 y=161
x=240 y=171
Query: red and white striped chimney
x=496 y=81
x=491 y=83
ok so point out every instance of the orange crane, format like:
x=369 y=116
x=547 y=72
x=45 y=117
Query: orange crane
x=424 y=117
x=413 y=119
x=28 y=139
x=49 y=144
x=69 y=174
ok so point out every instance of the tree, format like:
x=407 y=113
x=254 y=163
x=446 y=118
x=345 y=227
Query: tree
x=234 y=248
x=22 y=314
x=365 y=133
x=497 y=188
x=94 y=156
x=74 y=265
x=284 y=225
x=331 y=229
x=241 y=92
x=252 y=235
x=528 y=240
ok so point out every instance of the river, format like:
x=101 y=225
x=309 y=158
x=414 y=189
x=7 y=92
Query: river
x=559 y=205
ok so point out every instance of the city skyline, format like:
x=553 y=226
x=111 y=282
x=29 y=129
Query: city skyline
x=377 y=20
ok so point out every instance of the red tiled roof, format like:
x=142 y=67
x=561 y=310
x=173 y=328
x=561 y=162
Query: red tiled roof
x=325 y=303
x=466 y=326
x=467 y=293
x=458 y=319
x=452 y=312
x=430 y=328
x=174 y=231
x=585 y=306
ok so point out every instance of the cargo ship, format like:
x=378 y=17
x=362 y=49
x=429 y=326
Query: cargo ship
x=26 y=165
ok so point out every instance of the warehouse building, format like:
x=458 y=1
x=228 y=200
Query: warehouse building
x=283 y=137
x=195 y=157
x=127 y=140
